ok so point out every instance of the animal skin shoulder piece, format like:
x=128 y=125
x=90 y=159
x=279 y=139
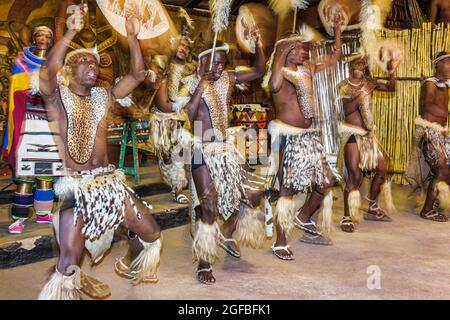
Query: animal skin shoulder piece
x=84 y=115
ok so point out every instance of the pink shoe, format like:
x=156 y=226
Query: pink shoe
x=16 y=227
x=48 y=218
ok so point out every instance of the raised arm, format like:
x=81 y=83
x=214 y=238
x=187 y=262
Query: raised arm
x=332 y=60
x=279 y=61
x=392 y=84
x=55 y=59
x=137 y=72
x=258 y=68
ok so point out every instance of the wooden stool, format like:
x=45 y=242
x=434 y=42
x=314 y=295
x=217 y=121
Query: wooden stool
x=129 y=132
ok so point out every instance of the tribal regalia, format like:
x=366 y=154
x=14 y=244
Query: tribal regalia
x=230 y=180
x=304 y=164
x=99 y=197
x=170 y=131
x=431 y=146
x=369 y=148
x=29 y=143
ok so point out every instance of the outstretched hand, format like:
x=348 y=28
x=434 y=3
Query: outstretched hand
x=338 y=19
x=393 y=64
x=257 y=36
x=132 y=25
x=75 y=21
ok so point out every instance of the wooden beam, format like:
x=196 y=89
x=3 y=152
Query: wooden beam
x=236 y=5
x=192 y=3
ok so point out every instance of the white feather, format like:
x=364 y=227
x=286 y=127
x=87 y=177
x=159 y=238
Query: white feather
x=282 y=7
x=220 y=12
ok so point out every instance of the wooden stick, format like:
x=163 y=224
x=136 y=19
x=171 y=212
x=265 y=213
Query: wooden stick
x=212 y=52
x=295 y=20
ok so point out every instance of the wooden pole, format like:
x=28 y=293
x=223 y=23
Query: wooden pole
x=295 y=20
x=212 y=52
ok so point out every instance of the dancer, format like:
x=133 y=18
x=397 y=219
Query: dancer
x=167 y=126
x=430 y=160
x=300 y=163
x=360 y=152
x=28 y=142
x=221 y=182
x=95 y=198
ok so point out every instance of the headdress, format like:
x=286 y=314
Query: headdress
x=91 y=51
x=42 y=28
x=441 y=57
x=354 y=56
x=304 y=35
x=224 y=48
x=187 y=28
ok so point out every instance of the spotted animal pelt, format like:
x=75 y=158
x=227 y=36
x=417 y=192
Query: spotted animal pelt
x=100 y=198
x=437 y=147
x=437 y=141
x=83 y=118
x=225 y=167
x=168 y=133
x=304 y=161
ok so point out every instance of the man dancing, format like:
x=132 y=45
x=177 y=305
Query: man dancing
x=432 y=141
x=302 y=164
x=220 y=180
x=166 y=127
x=28 y=142
x=95 y=197
x=360 y=151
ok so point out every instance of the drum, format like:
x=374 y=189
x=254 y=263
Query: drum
x=254 y=118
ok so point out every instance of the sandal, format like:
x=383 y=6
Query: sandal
x=347 y=224
x=204 y=281
x=285 y=248
x=304 y=226
x=433 y=215
x=318 y=239
x=124 y=271
x=94 y=288
x=181 y=198
x=380 y=214
x=229 y=249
